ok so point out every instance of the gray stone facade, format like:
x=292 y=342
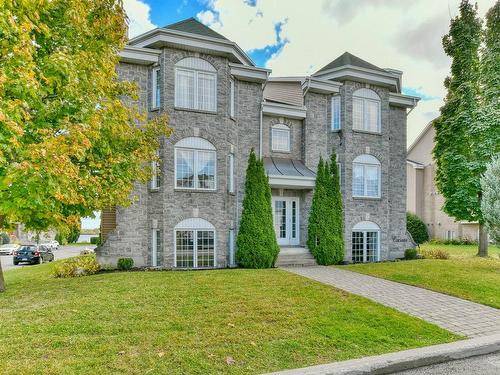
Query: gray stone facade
x=311 y=137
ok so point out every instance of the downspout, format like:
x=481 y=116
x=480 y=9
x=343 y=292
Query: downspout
x=260 y=118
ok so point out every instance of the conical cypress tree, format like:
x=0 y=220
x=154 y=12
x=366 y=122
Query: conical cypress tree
x=325 y=240
x=338 y=214
x=256 y=242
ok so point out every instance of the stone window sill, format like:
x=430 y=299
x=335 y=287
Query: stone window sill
x=366 y=132
x=367 y=198
x=181 y=190
x=195 y=110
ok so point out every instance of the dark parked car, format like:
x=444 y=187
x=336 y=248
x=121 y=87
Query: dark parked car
x=34 y=254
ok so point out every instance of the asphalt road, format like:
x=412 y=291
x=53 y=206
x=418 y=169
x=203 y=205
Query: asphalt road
x=482 y=365
x=61 y=253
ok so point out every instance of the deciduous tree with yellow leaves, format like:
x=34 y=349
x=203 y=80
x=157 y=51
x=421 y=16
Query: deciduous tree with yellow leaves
x=69 y=143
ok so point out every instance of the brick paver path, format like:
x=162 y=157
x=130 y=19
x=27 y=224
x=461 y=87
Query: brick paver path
x=451 y=313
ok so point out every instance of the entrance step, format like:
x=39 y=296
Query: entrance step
x=295 y=256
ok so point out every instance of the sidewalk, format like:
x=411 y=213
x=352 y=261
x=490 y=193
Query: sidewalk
x=453 y=314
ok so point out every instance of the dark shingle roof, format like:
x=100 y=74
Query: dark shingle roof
x=286 y=167
x=349 y=59
x=193 y=26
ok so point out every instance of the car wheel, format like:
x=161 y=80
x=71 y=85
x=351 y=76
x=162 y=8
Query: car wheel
x=16 y=263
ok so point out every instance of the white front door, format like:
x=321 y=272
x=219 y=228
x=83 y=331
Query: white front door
x=286 y=220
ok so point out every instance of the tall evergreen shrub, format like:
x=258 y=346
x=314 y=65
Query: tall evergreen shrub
x=325 y=231
x=256 y=242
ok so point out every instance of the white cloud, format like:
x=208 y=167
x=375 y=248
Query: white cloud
x=389 y=33
x=139 y=17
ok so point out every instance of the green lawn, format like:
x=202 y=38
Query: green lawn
x=191 y=323
x=463 y=275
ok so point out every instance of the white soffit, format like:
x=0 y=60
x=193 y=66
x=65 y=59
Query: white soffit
x=142 y=56
x=278 y=109
x=249 y=73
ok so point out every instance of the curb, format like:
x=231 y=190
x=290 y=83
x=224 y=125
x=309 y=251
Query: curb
x=404 y=360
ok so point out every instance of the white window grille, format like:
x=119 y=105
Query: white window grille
x=195 y=85
x=194 y=244
x=280 y=135
x=155 y=246
x=366 y=110
x=230 y=174
x=365 y=245
x=231 y=99
x=195 y=164
x=366 y=177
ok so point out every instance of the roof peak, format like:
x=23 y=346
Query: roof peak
x=193 y=26
x=348 y=58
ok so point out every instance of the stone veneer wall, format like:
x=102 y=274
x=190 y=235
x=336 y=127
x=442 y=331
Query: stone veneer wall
x=312 y=137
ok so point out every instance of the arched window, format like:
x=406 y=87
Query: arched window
x=194 y=244
x=366 y=110
x=280 y=138
x=195 y=164
x=365 y=242
x=195 y=84
x=366 y=177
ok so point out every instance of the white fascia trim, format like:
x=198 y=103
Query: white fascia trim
x=321 y=86
x=284 y=110
x=191 y=40
x=137 y=55
x=249 y=73
x=368 y=75
x=401 y=100
x=296 y=182
x=415 y=165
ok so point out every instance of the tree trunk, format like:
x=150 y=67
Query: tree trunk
x=2 y=282
x=482 y=250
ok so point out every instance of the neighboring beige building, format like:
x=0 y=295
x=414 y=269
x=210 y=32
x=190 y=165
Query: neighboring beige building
x=423 y=198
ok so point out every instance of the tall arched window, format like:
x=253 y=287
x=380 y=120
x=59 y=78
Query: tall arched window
x=194 y=244
x=195 y=164
x=280 y=135
x=195 y=84
x=366 y=177
x=365 y=242
x=366 y=110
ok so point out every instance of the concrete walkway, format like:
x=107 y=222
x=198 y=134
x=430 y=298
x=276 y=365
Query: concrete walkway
x=454 y=314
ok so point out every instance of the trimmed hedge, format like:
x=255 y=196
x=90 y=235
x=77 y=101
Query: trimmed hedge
x=256 y=242
x=94 y=240
x=411 y=254
x=125 y=264
x=417 y=228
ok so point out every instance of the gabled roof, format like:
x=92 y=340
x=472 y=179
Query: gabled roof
x=193 y=26
x=421 y=135
x=349 y=59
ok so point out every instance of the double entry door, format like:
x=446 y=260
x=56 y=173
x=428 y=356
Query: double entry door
x=286 y=220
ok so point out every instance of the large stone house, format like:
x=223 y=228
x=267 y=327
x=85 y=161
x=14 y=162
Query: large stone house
x=423 y=198
x=220 y=106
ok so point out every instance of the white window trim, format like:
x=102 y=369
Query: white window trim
x=154 y=247
x=280 y=128
x=232 y=261
x=154 y=89
x=230 y=185
x=365 y=236
x=195 y=243
x=195 y=168
x=379 y=175
x=196 y=99
x=364 y=100
x=231 y=98
x=336 y=100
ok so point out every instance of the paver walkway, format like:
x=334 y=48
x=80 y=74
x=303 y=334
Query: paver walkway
x=451 y=313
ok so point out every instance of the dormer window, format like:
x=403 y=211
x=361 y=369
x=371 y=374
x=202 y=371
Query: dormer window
x=366 y=110
x=280 y=138
x=195 y=85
